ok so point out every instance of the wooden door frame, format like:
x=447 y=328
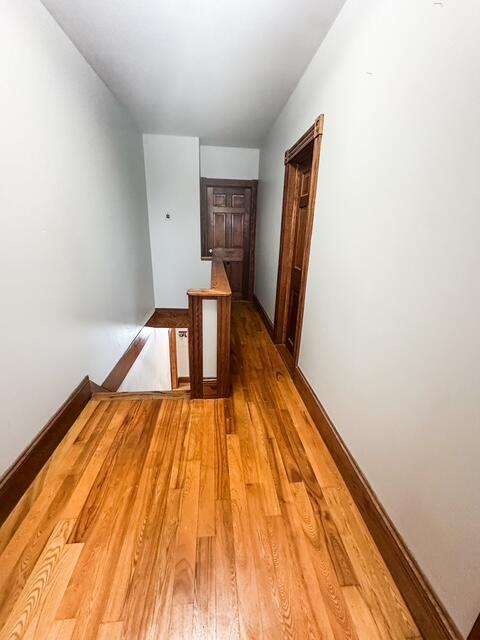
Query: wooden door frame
x=223 y=182
x=475 y=632
x=312 y=135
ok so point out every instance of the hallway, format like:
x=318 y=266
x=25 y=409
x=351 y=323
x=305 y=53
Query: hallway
x=196 y=519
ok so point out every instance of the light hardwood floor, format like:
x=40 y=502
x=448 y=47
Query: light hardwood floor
x=174 y=518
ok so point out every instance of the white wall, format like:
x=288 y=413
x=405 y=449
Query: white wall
x=234 y=163
x=209 y=335
x=172 y=165
x=391 y=329
x=151 y=370
x=75 y=274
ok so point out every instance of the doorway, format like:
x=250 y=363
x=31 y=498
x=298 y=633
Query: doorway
x=228 y=210
x=301 y=174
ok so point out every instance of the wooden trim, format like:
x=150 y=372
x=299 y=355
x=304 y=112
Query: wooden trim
x=285 y=257
x=475 y=632
x=177 y=394
x=253 y=240
x=220 y=182
x=263 y=315
x=313 y=135
x=195 y=346
x=287 y=358
x=227 y=182
x=210 y=388
x=97 y=388
x=430 y=616
x=313 y=132
x=16 y=480
x=172 y=344
x=224 y=311
x=117 y=375
x=169 y=319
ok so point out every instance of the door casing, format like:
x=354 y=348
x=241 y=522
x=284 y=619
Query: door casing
x=313 y=136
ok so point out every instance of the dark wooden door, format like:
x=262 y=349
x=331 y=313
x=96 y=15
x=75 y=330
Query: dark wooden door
x=300 y=213
x=228 y=232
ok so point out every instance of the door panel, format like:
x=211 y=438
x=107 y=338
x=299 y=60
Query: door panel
x=300 y=211
x=228 y=221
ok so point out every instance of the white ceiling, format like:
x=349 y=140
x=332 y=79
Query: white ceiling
x=218 y=69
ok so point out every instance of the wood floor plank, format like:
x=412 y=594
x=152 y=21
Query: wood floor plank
x=181 y=622
x=44 y=617
x=39 y=581
x=186 y=549
x=149 y=598
x=222 y=424
x=110 y=631
x=226 y=599
x=271 y=600
x=248 y=605
x=61 y=630
x=265 y=474
x=365 y=624
x=24 y=547
x=339 y=616
x=205 y=588
x=207 y=494
x=52 y=471
x=170 y=518
x=148 y=516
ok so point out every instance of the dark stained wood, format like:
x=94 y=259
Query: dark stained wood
x=96 y=388
x=195 y=346
x=169 y=318
x=210 y=388
x=285 y=256
x=313 y=132
x=301 y=177
x=265 y=319
x=17 y=479
x=228 y=215
x=118 y=373
x=431 y=617
x=174 y=518
x=297 y=275
x=224 y=305
x=475 y=632
x=286 y=357
x=172 y=343
x=141 y=395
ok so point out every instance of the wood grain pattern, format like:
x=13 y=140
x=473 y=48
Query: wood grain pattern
x=178 y=518
x=17 y=479
x=430 y=615
x=169 y=319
